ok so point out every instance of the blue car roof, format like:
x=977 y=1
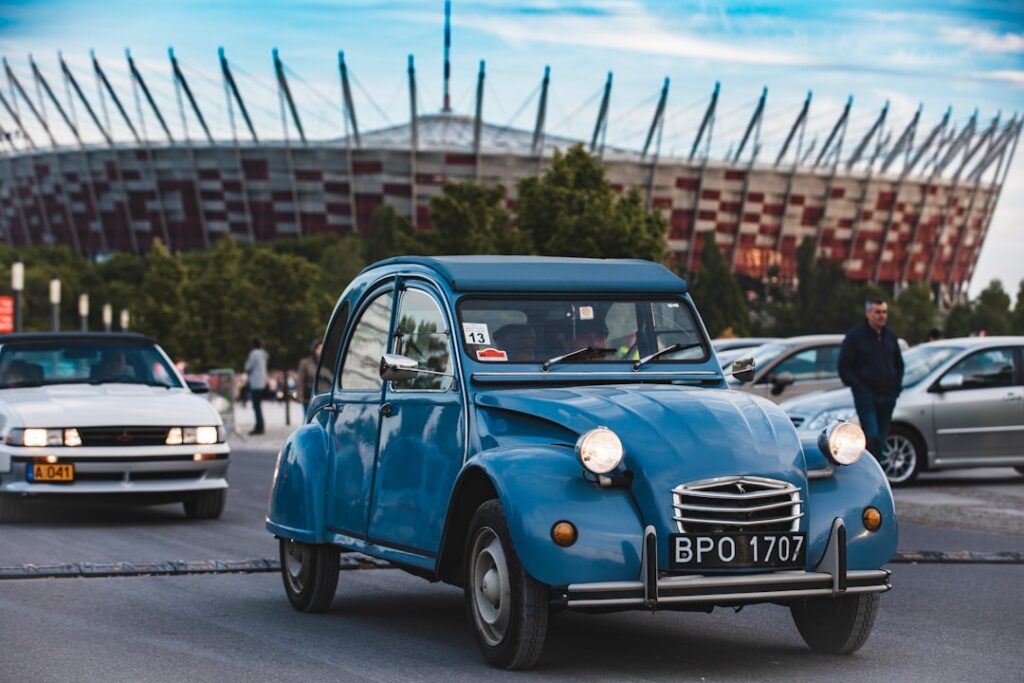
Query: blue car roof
x=547 y=274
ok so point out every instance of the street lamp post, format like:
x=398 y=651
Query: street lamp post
x=124 y=319
x=55 y=301
x=17 y=286
x=108 y=317
x=83 y=311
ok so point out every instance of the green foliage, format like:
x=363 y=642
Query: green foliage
x=160 y=308
x=717 y=294
x=391 y=234
x=913 y=314
x=958 y=321
x=991 y=311
x=572 y=210
x=1018 y=310
x=470 y=218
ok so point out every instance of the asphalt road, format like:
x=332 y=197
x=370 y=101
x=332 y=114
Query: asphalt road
x=941 y=622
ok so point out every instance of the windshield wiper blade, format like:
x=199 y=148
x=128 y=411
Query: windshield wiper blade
x=665 y=351
x=585 y=351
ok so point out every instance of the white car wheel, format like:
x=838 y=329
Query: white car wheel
x=904 y=457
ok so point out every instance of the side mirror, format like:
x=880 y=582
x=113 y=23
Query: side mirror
x=953 y=380
x=395 y=367
x=198 y=386
x=743 y=370
x=780 y=381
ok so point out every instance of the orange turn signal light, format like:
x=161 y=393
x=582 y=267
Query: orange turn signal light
x=199 y=457
x=872 y=519
x=563 y=533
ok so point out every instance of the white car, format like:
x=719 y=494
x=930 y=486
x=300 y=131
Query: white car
x=105 y=414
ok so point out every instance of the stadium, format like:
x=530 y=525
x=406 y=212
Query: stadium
x=893 y=203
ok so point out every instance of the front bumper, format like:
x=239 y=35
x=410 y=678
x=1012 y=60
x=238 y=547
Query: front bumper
x=651 y=591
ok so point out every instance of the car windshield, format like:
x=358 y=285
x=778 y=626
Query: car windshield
x=83 y=362
x=615 y=330
x=919 y=362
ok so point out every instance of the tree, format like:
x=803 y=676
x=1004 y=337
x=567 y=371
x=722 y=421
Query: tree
x=991 y=310
x=160 y=309
x=717 y=294
x=1018 y=310
x=391 y=234
x=470 y=218
x=958 y=321
x=913 y=314
x=572 y=211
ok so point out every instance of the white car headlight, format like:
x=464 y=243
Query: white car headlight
x=37 y=437
x=206 y=435
x=843 y=443
x=827 y=417
x=177 y=436
x=599 y=450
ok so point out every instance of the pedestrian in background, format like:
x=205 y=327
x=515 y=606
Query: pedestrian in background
x=307 y=375
x=256 y=366
x=934 y=334
x=871 y=364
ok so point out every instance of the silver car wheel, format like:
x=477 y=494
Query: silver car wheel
x=900 y=458
x=491 y=589
x=296 y=565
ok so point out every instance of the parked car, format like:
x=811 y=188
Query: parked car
x=962 y=405
x=736 y=343
x=794 y=366
x=105 y=414
x=550 y=432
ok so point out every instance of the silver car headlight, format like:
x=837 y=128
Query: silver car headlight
x=843 y=443
x=827 y=417
x=599 y=450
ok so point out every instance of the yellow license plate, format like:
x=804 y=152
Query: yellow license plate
x=63 y=472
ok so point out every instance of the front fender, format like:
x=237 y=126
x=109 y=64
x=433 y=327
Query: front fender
x=296 y=508
x=539 y=485
x=849 y=490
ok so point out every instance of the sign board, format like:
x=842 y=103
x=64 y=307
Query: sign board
x=6 y=314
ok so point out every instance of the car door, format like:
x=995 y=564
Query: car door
x=984 y=416
x=422 y=436
x=355 y=424
x=814 y=368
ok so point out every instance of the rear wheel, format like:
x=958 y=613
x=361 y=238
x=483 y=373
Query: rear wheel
x=310 y=574
x=206 y=504
x=11 y=509
x=507 y=607
x=904 y=456
x=837 y=626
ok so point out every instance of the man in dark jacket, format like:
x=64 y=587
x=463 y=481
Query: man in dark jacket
x=870 y=363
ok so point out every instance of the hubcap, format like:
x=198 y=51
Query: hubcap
x=490 y=589
x=296 y=565
x=901 y=458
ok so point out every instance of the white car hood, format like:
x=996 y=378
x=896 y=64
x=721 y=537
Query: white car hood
x=84 y=405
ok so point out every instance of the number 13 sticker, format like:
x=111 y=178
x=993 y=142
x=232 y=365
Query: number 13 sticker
x=476 y=333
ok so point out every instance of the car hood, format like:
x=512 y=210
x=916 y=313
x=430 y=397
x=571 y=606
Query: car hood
x=671 y=434
x=83 y=405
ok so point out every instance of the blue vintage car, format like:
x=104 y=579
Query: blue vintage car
x=557 y=433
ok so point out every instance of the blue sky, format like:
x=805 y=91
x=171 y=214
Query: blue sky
x=941 y=53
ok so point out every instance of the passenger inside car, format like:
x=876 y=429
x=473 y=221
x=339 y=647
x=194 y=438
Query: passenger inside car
x=112 y=367
x=517 y=341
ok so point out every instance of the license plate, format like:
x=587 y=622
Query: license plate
x=737 y=551
x=56 y=472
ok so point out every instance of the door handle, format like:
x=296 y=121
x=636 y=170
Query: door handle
x=385 y=410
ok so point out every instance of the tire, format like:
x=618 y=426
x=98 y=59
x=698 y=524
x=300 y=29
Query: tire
x=507 y=608
x=206 y=504
x=1020 y=470
x=310 y=574
x=11 y=509
x=904 y=456
x=836 y=626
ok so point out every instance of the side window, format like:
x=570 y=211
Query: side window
x=360 y=370
x=810 y=364
x=986 y=369
x=422 y=335
x=329 y=352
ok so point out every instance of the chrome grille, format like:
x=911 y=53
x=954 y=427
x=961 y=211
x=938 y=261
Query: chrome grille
x=736 y=504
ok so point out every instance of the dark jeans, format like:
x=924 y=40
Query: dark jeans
x=257 y=408
x=875 y=414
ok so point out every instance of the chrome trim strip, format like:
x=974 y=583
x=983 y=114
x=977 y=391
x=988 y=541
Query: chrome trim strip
x=823 y=473
x=738 y=522
x=598 y=374
x=979 y=430
x=713 y=508
x=719 y=495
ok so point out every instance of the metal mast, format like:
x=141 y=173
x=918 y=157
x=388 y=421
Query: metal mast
x=346 y=91
x=538 y=129
x=413 y=141
x=447 y=107
x=229 y=78
x=659 y=113
x=282 y=83
x=755 y=120
x=601 y=127
x=478 y=119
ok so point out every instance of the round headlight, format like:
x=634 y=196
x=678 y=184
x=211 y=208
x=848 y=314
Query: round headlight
x=843 y=443
x=599 y=450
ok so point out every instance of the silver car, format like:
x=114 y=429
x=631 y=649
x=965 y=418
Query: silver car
x=795 y=366
x=962 y=406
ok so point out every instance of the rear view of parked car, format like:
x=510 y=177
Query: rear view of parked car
x=962 y=405
x=105 y=415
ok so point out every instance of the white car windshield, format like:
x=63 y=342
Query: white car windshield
x=42 y=363
x=919 y=362
x=582 y=330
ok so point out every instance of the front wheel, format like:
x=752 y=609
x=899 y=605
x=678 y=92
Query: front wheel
x=310 y=574
x=904 y=456
x=507 y=607
x=836 y=626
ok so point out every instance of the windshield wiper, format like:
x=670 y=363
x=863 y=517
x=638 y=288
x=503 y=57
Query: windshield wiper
x=667 y=350
x=585 y=351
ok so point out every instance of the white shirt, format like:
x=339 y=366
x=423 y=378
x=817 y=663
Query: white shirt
x=256 y=366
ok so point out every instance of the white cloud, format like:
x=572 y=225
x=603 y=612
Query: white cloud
x=1016 y=77
x=984 y=41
